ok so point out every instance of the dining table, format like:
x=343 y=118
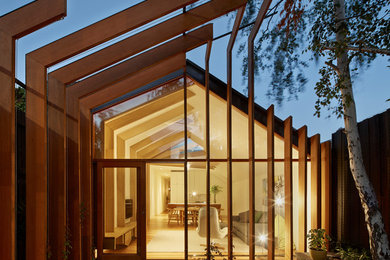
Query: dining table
x=192 y=210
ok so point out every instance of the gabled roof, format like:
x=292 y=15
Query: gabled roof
x=238 y=100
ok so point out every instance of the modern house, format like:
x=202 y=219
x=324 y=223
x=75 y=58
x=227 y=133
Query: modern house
x=140 y=147
x=134 y=152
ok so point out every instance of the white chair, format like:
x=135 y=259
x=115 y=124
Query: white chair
x=215 y=231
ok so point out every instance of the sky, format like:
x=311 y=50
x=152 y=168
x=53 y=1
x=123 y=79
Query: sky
x=371 y=87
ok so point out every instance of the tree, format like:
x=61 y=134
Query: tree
x=347 y=36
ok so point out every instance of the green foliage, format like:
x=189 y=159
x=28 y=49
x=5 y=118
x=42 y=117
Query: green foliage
x=20 y=99
x=351 y=253
x=277 y=50
x=306 y=32
x=317 y=239
x=214 y=253
x=215 y=189
x=67 y=244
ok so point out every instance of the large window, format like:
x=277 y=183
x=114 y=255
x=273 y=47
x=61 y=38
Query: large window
x=155 y=126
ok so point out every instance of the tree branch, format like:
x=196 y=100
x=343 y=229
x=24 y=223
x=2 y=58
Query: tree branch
x=361 y=49
x=369 y=50
x=330 y=64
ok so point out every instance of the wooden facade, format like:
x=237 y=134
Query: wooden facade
x=13 y=27
x=59 y=126
x=348 y=224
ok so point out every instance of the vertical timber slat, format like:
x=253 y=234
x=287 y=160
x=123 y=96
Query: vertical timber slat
x=50 y=55
x=95 y=83
x=56 y=170
x=36 y=160
x=326 y=189
x=12 y=27
x=271 y=181
x=7 y=141
x=315 y=156
x=99 y=204
x=207 y=79
x=185 y=167
x=302 y=195
x=288 y=188
x=237 y=22
x=251 y=135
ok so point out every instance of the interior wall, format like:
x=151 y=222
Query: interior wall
x=159 y=184
x=159 y=178
x=177 y=186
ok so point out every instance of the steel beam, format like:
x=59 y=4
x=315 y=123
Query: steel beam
x=251 y=121
x=12 y=27
x=236 y=25
x=36 y=65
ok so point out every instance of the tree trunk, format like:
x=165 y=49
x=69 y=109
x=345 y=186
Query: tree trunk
x=379 y=244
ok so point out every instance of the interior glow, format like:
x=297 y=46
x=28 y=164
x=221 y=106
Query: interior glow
x=262 y=238
x=194 y=193
x=279 y=201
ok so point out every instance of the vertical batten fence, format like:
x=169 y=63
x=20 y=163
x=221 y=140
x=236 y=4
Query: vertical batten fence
x=288 y=188
x=315 y=179
x=302 y=194
x=326 y=186
x=237 y=22
x=251 y=121
x=271 y=181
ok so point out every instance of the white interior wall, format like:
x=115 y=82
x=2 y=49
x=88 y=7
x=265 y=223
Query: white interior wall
x=218 y=175
x=159 y=182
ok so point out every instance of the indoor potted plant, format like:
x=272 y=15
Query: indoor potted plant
x=215 y=189
x=317 y=243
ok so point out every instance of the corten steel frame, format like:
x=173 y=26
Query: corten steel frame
x=165 y=160
x=134 y=44
x=78 y=127
x=38 y=61
x=270 y=181
x=207 y=96
x=236 y=25
x=135 y=81
x=288 y=188
x=185 y=97
x=251 y=136
x=106 y=78
x=285 y=131
x=13 y=26
x=106 y=57
x=287 y=159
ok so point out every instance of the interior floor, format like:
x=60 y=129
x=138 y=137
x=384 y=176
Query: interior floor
x=159 y=224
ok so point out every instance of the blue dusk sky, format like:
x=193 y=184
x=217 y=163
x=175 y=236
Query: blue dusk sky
x=371 y=87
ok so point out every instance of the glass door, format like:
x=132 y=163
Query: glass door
x=120 y=207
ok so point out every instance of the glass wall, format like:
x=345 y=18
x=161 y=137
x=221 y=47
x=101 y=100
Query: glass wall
x=197 y=199
x=165 y=211
x=150 y=125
